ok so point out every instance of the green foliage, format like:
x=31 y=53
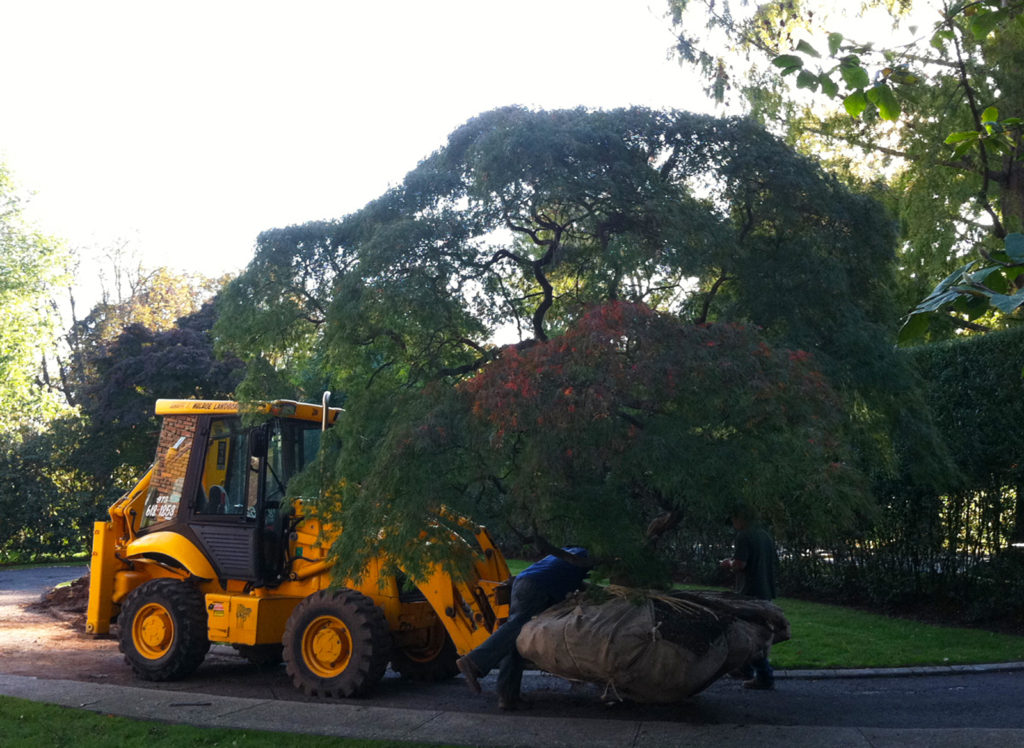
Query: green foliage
x=978 y=400
x=56 y=482
x=522 y=222
x=936 y=119
x=972 y=291
x=29 y=269
x=944 y=541
x=47 y=500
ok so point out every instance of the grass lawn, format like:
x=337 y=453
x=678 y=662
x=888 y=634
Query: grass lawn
x=28 y=724
x=830 y=636
x=15 y=565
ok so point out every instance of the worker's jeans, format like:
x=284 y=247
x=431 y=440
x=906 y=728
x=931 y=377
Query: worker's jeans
x=527 y=600
x=763 y=672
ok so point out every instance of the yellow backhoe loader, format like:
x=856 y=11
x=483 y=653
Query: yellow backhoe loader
x=209 y=548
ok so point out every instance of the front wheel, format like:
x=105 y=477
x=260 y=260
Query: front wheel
x=163 y=630
x=336 y=644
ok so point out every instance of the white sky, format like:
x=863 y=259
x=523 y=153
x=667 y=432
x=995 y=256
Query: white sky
x=189 y=127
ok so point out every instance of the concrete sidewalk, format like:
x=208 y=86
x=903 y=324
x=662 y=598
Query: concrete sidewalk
x=371 y=722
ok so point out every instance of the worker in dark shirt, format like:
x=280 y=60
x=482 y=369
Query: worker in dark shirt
x=753 y=561
x=534 y=590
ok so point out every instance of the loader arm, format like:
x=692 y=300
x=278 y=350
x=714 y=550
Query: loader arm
x=471 y=608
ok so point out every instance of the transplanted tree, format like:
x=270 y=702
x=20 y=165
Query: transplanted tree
x=524 y=222
x=630 y=423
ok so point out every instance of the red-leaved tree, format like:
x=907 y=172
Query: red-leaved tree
x=629 y=424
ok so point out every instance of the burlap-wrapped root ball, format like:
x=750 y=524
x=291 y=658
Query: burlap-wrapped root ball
x=648 y=646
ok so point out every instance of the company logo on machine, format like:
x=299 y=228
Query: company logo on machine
x=243 y=614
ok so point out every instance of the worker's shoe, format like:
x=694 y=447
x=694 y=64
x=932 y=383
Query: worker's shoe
x=759 y=685
x=470 y=673
x=516 y=704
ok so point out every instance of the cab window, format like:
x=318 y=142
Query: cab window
x=293 y=445
x=228 y=485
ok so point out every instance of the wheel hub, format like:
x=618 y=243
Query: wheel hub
x=327 y=646
x=153 y=631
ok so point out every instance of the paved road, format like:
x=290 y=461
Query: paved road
x=25 y=585
x=974 y=700
x=946 y=703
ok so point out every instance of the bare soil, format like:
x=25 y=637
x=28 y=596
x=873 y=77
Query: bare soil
x=45 y=637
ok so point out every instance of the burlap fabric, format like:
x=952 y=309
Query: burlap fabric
x=650 y=647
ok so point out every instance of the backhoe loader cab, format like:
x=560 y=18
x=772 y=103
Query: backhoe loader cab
x=210 y=547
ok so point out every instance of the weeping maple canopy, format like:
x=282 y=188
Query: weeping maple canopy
x=628 y=416
x=632 y=225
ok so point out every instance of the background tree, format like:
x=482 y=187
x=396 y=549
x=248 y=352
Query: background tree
x=56 y=483
x=78 y=418
x=523 y=222
x=139 y=367
x=131 y=295
x=934 y=111
x=29 y=271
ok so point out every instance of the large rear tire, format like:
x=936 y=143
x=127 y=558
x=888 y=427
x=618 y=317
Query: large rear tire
x=433 y=660
x=163 y=630
x=336 y=644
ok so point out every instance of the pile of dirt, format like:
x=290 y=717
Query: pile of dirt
x=67 y=602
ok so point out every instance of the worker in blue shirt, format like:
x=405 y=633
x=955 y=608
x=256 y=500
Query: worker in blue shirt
x=534 y=590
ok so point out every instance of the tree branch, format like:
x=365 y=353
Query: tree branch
x=661 y=524
x=548 y=548
x=997 y=225
x=962 y=165
x=709 y=297
x=545 y=284
x=963 y=324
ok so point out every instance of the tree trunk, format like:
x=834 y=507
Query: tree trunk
x=1011 y=201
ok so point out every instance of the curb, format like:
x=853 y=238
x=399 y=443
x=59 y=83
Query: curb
x=900 y=672
x=879 y=672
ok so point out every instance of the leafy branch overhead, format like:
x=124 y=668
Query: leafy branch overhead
x=931 y=123
x=870 y=80
x=973 y=290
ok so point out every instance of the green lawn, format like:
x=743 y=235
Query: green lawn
x=830 y=636
x=28 y=724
